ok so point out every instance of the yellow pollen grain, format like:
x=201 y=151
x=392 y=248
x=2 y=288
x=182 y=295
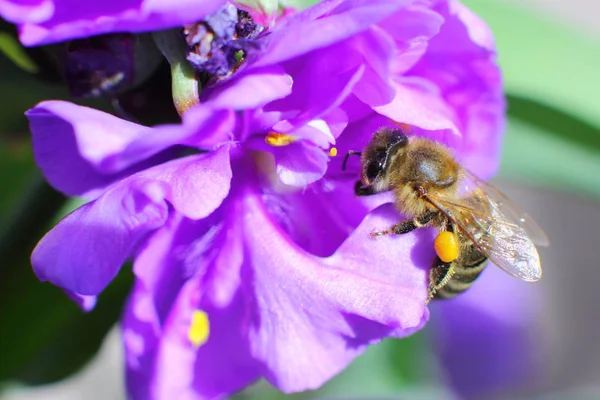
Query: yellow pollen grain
x=199 y=328
x=279 y=139
x=333 y=152
x=446 y=246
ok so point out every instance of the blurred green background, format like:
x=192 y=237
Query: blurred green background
x=550 y=55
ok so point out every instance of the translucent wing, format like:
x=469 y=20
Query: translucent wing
x=535 y=233
x=496 y=226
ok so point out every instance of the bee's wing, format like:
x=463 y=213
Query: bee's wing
x=496 y=227
x=509 y=209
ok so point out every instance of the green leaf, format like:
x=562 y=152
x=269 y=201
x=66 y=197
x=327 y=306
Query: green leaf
x=10 y=46
x=546 y=146
x=545 y=60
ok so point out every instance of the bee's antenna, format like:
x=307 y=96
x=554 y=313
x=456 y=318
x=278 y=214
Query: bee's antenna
x=351 y=152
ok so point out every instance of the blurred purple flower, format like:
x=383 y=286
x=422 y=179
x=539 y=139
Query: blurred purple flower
x=49 y=21
x=489 y=330
x=252 y=257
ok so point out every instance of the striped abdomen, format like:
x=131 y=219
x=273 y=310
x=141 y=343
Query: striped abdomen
x=464 y=271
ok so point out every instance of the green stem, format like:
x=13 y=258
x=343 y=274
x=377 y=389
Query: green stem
x=185 y=86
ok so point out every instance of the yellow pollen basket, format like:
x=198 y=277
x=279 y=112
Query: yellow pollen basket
x=199 y=328
x=333 y=152
x=279 y=139
x=446 y=246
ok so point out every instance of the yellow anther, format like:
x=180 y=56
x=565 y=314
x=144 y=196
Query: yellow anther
x=333 y=152
x=446 y=246
x=279 y=139
x=199 y=328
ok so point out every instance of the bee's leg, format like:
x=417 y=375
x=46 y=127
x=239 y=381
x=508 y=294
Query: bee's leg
x=439 y=276
x=409 y=224
x=361 y=190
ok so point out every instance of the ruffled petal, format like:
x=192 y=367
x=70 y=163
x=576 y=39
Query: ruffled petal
x=301 y=162
x=160 y=316
x=310 y=317
x=326 y=23
x=418 y=103
x=85 y=250
x=159 y=277
x=70 y=141
x=289 y=316
x=216 y=368
x=461 y=63
x=319 y=84
x=82 y=150
x=26 y=11
x=60 y=20
x=252 y=90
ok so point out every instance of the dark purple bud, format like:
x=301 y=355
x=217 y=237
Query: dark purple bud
x=220 y=43
x=108 y=64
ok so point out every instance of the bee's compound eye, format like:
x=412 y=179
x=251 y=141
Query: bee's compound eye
x=446 y=246
x=376 y=165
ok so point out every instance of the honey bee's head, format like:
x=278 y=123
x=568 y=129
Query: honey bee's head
x=376 y=159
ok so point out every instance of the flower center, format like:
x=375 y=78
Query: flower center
x=218 y=45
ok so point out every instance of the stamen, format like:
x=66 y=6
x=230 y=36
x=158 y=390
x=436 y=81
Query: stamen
x=218 y=45
x=279 y=139
x=333 y=152
x=199 y=328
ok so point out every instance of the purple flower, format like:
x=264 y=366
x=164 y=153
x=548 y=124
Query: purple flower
x=252 y=255
x=48 y=21
x=489 y=330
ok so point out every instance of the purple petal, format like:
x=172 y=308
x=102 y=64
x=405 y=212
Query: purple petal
x=158 y=320
x=328 y=207
x=252 y=90
x=302 y=33
x=26 y=11
x=70 y=142
x=81 y=150
x=311 y=316
x=140 y=330
x=302 y=161
x=320 y=84
x=197 y=184
x=67 y=19
x=334 y=306
x=159 y=279
x=488 y=329
x=86 y=303
x=418 y=103
x=378 y=50
x=204 y=372
x=84 y=251
x=461 y=63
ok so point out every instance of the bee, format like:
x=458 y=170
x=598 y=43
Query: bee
x=476 y=222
